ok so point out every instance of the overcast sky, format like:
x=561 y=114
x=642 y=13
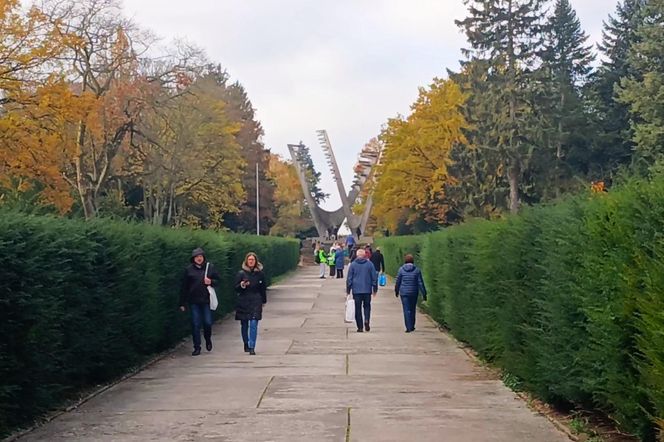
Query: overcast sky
x=342 y=65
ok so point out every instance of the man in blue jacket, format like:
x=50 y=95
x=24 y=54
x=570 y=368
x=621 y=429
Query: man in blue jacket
x=409 y=284
x=362 y=280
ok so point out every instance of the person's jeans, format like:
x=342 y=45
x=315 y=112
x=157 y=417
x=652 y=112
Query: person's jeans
x=200 y=315
x=333 y=270
x=249 y=329
x=362 y=301
x=323 y=268
x=409 y=303
x=340 y=273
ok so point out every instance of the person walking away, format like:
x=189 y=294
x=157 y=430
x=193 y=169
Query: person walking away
x=322 y=262
x=316 y=247
x=251 y=297
x=353 y=253
x=378 y=260
x=409 y=284
x=331 y=259
x=368 y=252
x=194 y=294
x=350 y=243
x=362 y=281
x=339 y=261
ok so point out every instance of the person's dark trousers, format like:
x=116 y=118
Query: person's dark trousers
x=249 y=330
x=201 y=315
x=362 y=301
x=340 y=273
x=333 y=270
x=409 y=304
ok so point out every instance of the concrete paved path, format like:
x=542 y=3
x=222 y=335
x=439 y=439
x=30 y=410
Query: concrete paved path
x=314 y=379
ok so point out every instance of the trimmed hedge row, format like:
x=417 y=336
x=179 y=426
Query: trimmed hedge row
x=83 y=302
x=567 y=298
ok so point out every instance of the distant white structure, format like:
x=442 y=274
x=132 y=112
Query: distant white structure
x=341 y=221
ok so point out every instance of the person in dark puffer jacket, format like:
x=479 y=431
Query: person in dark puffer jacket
x=194 y=294
x=409 y=284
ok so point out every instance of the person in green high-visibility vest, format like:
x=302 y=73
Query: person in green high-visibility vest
x=331 y=260
x=321 y=259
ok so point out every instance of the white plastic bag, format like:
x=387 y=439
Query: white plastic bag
x=350 y=309
x=214 y=302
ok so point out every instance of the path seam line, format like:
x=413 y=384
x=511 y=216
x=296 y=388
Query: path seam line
x=264 y=392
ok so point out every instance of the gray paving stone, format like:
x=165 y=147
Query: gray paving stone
x=313 y=375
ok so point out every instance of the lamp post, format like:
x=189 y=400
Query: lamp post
x=258 y=216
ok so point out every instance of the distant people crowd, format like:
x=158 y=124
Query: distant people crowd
x=365 y=268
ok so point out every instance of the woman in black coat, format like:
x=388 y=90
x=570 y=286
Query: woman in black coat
x=251 y=290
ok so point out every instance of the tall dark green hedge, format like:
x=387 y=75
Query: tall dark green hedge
x=567 y=298
x=83 y=302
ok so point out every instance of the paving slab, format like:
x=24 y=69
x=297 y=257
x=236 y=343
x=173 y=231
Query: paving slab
x=314 y=379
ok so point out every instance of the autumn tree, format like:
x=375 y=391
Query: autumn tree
x=35 y=106
x=185 y=160
x=249 y=137
x=103 y=70
x=291 y=215
x=414 y=167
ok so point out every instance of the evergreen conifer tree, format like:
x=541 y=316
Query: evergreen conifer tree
x=566 y=65
x=613 y=146
x=643 y=90
x=507 y=34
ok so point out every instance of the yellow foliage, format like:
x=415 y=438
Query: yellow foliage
x=288 y=198
x=189 y=159
x=413 y=170
x=37 y=105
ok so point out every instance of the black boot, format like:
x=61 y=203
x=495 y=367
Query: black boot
x=366 y=326
x=196 y=352
x=208 y=345
x=246 y=348
x=252 y=352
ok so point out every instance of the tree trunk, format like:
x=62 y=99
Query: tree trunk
x=81 y=185
x=514 y=188
x=559 y=144
x=171 y=202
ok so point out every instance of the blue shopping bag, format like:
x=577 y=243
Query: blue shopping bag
x=382 y=279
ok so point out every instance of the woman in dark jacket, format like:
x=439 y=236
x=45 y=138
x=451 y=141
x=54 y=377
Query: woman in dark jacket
x=194 y=293
x=339 y=261
x=409 y=285
x=251 y=289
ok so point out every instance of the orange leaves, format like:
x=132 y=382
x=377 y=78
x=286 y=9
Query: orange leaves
x=36 y=105
x=597 y=187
